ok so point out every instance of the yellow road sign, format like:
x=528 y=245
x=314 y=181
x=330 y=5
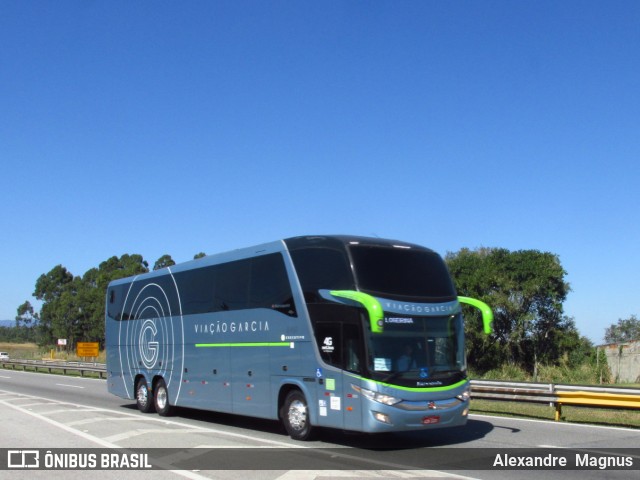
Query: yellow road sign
x=88 y=349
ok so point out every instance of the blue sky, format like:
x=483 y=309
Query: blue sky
x=179 y=127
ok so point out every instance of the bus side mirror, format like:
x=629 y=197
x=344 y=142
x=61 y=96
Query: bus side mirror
x=487 y=314
x=371 y=304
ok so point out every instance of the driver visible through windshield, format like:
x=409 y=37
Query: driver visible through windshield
x=418 y=350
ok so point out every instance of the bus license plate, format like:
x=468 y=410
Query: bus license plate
x=431 y=420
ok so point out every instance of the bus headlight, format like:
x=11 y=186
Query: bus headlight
x=377 y=397
x=464 y=397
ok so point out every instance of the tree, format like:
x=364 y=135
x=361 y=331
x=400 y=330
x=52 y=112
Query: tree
x=94 y=290
x=73 y=307
x=199 y=255
x=26 y=322
x=570 y=344
x=115 y=268
x=50 y=288
x=163 y=261
x=525 y=290
x=26 y=315
x=626 y=330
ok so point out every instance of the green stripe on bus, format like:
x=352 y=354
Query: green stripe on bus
x=263 y=344
x=425 y=389
x=413 y=389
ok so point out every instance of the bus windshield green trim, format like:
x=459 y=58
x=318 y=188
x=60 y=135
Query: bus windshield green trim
x=487 y=314
x=371 y=304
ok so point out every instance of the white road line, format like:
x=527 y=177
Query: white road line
x=67 y=410
x=134 y=433
x=91 y=438
x=87 y=421
x=140 y=416
x=67 y=385
x=558 y=424
x=196 y=429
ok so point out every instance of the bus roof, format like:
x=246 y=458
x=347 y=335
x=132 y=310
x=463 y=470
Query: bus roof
x=292 y=243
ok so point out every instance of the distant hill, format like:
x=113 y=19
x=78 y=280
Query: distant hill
x=7 y=323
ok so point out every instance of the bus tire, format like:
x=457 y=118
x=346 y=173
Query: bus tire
x=161 y=399
x=295 y=416
x=144 y=401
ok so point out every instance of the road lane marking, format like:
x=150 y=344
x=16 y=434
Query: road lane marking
x=146 y=418
x=144 y=431
x=92 y=438
x=557 y=424
x=109 y=441
x=67 y=385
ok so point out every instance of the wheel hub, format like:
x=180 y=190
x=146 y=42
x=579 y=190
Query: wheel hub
x=143 y=395
x=161 y=398
x=297 y=415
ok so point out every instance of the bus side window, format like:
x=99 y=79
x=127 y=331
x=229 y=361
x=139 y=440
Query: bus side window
x=329 y=340
x=352 y=348
x=320 y=268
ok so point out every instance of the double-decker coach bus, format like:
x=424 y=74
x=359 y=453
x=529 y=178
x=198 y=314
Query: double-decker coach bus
x=354 y=333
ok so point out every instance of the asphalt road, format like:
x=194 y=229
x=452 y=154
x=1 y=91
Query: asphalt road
x=40 y=411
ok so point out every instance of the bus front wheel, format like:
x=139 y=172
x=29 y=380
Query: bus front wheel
x=161 y=399
x=295 y=416
x=144 y=401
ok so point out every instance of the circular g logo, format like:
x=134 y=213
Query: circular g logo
x=152 y=337
x=148 y=343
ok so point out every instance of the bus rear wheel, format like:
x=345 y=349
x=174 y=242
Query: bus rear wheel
x=161 y=399
x=144 y=401
x=295 y=416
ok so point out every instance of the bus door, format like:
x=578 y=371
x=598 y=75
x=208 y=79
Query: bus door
x=340 y=345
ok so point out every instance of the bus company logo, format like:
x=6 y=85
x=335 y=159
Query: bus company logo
x=419 y=308
x=231 y=327
x=290 y=338
x=148 y=341
x=149 y=346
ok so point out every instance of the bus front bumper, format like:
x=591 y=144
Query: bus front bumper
x=412 y=415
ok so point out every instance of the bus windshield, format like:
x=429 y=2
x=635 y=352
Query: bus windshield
x=418 y=351
x=401 y=272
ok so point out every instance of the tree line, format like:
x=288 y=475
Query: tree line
x=73 y=306
x=525 y=289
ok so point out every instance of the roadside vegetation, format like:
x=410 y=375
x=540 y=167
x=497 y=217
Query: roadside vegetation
x=561 y=374
x=592 y=416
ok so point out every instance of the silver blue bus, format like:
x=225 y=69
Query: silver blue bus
x=355 y=333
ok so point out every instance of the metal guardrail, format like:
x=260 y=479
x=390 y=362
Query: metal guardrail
x=552 y=394
x=49 y=365
x=557 y=395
